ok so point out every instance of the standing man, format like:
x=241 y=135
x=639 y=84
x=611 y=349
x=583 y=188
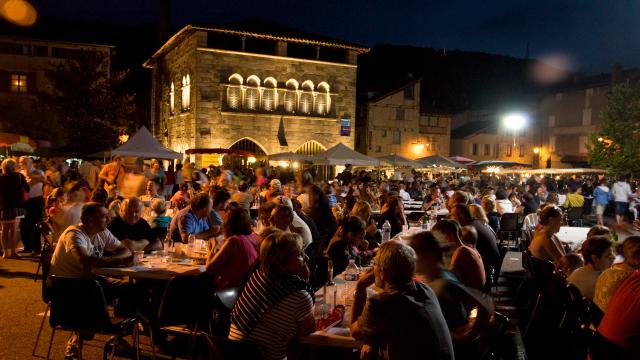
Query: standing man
x=112 y=174
x=404 y=321
x=34 y=206
x=621 y=192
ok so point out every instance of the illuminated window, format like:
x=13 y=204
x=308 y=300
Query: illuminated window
x=252 y=93
x=19 y=83
x=323 y=99
x=186 y=93
x=270 y=94
x=172 y=98
x=291 y=96
x=234 y=91
x=306 y=98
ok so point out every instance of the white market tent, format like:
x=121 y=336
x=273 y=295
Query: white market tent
x=340 y=154
x=562 y=171
x=143 y=144
x=398 y=161
x=289 y=156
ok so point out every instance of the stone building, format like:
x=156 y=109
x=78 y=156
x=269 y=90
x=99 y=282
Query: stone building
x=479 y=135
x=397 y=122
x=253 y=86
x=572 y=113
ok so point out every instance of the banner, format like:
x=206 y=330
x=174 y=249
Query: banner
x=345 y=127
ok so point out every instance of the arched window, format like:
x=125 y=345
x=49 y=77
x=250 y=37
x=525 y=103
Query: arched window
x=291 y=96
x=323 y=99
x=252 y=93
x=186 y=93
x=234 y=92
x=172 y=99
x=306 y=97
x=270 y=94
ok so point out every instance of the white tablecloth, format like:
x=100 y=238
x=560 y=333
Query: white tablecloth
x=573 y=236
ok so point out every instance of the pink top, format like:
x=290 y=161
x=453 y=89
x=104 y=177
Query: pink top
x=466 y=264
x=236 y=266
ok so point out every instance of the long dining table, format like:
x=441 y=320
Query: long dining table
x=153 y=270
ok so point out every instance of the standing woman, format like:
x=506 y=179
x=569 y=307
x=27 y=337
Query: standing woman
x=13 y=187
x=601 y=198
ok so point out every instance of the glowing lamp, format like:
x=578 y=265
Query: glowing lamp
x=536 y=150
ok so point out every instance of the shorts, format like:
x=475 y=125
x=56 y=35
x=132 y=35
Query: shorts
x=621 y=207
x=600 y=209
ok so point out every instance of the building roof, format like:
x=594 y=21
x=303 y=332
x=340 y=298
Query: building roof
x=258 y=29
x=473 y=128
x=23 y=39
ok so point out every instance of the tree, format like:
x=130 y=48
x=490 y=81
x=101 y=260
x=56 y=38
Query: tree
x=616 y=144
x=88 y=99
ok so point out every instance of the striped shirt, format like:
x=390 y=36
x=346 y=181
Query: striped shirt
x=278 y=326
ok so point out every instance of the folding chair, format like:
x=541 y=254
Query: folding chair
x=47 y=245
x=508 y=229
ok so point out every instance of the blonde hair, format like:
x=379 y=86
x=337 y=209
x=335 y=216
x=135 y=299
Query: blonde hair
x=478 y=213
x=276 y=249
x=488 y=204
x=359 y=207
x=8 y=166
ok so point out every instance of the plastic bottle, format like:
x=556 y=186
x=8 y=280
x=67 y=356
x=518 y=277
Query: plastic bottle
x=167 y=245
x=424 y=222
x=330 y=290
x=191 y=245
x=433 y=219
x=386 y=232
x=351 y=276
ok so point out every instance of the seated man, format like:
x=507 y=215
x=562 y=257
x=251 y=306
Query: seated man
x=405 y=320
x=132 y=230
x=82 y=247
x=220 y=199
x=192 y=220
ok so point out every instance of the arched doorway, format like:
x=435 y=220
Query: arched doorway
x=310 y=148
x=249 y=145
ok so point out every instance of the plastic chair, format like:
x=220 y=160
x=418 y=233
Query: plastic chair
x=185 y=306
x=508 y=228
x=46 y=233
x=79 y=304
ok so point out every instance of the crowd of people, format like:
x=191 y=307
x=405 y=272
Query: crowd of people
x=101 y=215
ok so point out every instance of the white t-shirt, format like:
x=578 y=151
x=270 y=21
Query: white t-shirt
x=405 y=195
x=504 y=206
x=621 y=191
x=35 y=190
x=585 y=279
x=63 y=263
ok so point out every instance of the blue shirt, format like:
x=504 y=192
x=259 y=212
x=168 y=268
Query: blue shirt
x=186 y=222
x=601 y=197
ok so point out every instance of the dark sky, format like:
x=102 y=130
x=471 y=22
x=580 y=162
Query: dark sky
x=585 y=35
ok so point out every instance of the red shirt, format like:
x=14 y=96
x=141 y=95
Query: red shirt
x=621 y=322
x=466 y=264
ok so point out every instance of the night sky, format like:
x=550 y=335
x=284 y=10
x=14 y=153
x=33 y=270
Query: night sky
x=582 y=35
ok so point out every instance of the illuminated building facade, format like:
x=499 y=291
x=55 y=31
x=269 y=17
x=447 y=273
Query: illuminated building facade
x=254 y=86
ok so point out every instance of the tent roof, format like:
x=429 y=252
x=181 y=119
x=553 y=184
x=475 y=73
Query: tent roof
x=340 y=154
x=398 y=160
x=143 y=144
x=499 y=163
x=289 y=156
x=439 y=160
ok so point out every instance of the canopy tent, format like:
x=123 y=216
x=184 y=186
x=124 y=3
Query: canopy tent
x=499 y=163
x=220 y=151
x=340 y=154
x=289 y=156
x=570 y=171
x=462 y=159
x=144 y=145
x=397 y=161
x=17 y=142
x=439 y=161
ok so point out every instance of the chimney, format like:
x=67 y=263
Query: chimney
x=164 y=24
x=616 y=73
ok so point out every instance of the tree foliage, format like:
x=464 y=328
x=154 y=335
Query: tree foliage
x=616 y=144
x=88 y=101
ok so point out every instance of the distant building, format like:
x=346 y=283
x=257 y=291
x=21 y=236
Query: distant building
x=569 y=115
x=253 y=86
x=479 y=135
x=397 y=123
x=23 y=62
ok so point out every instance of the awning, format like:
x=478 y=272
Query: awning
x=17 y=142
x=220 y=151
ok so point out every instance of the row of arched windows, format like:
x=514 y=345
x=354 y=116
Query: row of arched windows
x=254 y=95
x=185 y=92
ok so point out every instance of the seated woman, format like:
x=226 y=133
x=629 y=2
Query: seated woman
x=56 y=211
x=346 y=244
x=159 y=221
x=392 y=211
x=597 y=255
x=456 y=300
x=238 y=252
x=489 y=207
x=466 y=262
x=182 y=197
x=611 y=278
x=275 y=306
x=545 y=245
x=362 y=209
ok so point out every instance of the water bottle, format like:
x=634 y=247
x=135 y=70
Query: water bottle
x=386 y=232
x=330 y=290
x=433 y=219
x=351 y=276
x=424 y=222
x=167 y=245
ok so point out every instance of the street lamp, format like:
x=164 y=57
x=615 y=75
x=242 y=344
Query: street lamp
x=515 y=122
